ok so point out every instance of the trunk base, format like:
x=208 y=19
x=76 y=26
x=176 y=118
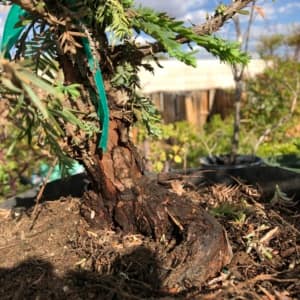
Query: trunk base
x=192 y=245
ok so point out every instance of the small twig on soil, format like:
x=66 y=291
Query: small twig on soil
x=283 y=120
x=212 y=296
x=4 y=213
x=218 y=279
x=8 y=246
x=268 y=294
x=174 y=220
x=264 y=277
x=35 y=214
x=285 y=222
x=290 y=251
x=269 y=236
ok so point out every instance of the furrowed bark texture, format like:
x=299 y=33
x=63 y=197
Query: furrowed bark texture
x=123 y=198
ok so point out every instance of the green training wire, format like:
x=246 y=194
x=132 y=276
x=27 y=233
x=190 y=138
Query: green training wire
x=11 y=35
x=102 y=110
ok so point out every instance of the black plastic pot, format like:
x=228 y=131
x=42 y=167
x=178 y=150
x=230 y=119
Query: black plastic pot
x=223 y=162
x=74 y=186
x=251 y=170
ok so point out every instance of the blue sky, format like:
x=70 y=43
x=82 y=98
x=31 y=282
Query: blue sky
x=280 y=15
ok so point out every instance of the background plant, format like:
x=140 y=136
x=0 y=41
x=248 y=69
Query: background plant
x=272 y=108
x=269 y=124
x=182 y=144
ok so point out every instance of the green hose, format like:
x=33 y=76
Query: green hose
x=11 y=33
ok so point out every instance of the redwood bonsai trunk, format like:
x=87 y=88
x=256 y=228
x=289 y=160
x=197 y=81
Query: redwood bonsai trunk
x=123 y=198
x=113 y=173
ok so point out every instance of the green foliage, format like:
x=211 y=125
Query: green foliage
x=111 y=15
x=181 y=144
x=271 y=97
x=126 y=80
x=40 y=52
x=293 y=39
x=170 y=147
x=40 y=115
x=273 y=148
x=165 y=30
x=220 y=10
x=122 y=19
x=231 y=211
x=270 y=94
x=20 y=161
x=285 y=46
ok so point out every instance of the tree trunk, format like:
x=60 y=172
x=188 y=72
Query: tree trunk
x=113 y=173
x=237 y=120
x=126 y=199
x=123 y=198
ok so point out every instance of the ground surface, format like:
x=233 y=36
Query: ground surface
x=51 y=253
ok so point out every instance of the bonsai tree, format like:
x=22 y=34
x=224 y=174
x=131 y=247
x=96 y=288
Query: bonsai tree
x=69 y=77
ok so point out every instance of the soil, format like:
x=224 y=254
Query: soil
x=50 y=252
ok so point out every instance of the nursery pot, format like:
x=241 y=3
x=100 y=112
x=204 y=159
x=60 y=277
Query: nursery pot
x=251 y=170
x=223 y=162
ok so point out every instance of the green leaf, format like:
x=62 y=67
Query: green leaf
x=166 y=30
x=25 y=75
x=243 y=12
x=10 y=86
x=36 y=100
x=19 y=105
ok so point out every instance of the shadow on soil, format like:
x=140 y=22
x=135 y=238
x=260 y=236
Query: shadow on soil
x=132 y=276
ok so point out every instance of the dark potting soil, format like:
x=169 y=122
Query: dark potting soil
x=61 y=257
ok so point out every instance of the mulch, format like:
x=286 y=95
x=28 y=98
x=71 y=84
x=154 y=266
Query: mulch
x=54 y=254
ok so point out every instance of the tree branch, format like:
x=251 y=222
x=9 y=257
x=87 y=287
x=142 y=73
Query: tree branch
x=39 y=9
x=210 y=26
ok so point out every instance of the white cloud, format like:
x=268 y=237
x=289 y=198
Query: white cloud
x=143 y=39
x=4 y=9
x=281 y=28
x=196 y=17
x=175 y=8
x=289 y=7
x=1 y=26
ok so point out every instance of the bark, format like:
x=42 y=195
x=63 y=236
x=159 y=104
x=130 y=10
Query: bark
x=238 y=74
x=122 y=198
x=111 y=172
x=237 y=120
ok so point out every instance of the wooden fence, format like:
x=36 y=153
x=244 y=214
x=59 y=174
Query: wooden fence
x=193 y=106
